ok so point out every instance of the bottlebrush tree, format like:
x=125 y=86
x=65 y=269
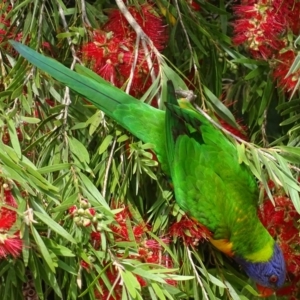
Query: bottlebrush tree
x=86 y=212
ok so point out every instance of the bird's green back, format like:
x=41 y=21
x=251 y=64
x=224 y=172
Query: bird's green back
x=212 y=186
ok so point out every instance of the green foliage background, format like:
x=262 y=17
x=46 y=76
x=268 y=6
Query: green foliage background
x=71 y=151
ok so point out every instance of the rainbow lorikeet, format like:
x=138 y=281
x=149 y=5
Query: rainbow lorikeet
x=210 y=184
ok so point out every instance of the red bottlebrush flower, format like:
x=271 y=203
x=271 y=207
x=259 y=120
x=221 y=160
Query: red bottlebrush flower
x=105 y=294
x=286 y=59
x=123 y=215
x=281 y=221
x=91 y=211
x=72 y=210
x=190 y=231
x=121 y=229
x=146 y=17
x=139 y=230
x=171 y=282
x=9 y=199
x=237 y=132
x=10 y=245
x=152 y=252
x=195 y=6
x=50 y=102
x=5 y=137
x=19 y=134
x=7 y=32
x=293 y=18
x=103 y=52
x=84 y=264
x=95 y=238
x=153 y=244
x=113 y=54
x=259 y=26
x=290 y=11
x=141 y=78
x=141 y=281
x=166 y=261
x=153 y=257
x=7 y=216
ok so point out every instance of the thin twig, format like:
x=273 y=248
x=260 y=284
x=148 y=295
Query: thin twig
x=108 y=167
x=67 y=98
x=40 y=25
x=196 y=273
x=149 y=60
x=133 y=65
x=66 y=28
x=137 y=28
x=84 y=16
x=119 y=268
x=188 y=43
x=143 y=37
x=263 y=130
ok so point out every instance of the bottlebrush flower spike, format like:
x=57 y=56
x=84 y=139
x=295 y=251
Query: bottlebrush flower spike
x=146 y=17
x=103 y=52
x=10 y=245
x=6 y=32
x=282 y=221
x=294 y=19
x=258 y=27
x=285 y=61
x=95 y=238
x=239 y=133
x=194 y=5
x=190 y=231
x=8 y=216
x=105 y=294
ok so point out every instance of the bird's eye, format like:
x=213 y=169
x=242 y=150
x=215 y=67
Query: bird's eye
x=273 y=279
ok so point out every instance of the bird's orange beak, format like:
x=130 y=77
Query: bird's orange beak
x=264 y=291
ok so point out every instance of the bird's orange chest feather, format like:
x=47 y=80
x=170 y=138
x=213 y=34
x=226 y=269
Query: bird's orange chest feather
x=223 y=245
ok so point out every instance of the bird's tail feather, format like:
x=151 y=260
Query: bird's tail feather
x=102 y=94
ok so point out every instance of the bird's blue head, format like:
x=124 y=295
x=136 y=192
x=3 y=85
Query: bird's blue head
x=269 y=274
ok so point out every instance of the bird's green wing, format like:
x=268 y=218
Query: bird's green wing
x=188 y=172
x=210 y=184
x=142 y=120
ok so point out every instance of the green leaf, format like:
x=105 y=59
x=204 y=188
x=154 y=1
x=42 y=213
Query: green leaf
x=44 y=251
x=54 y=168
x=104 y=145
x=254 y=73
x=93 y=190
x=79 y=150
x=131 y=283
x=14 y=137
x=54 y=226
x=94 y=121
x=221 y=109
x=58 y=249
x=30 y=120
x=158 y=291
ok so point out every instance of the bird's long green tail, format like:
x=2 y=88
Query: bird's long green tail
x=142 y=120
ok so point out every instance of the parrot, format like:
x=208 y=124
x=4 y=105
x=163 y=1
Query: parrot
x=210 y=184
